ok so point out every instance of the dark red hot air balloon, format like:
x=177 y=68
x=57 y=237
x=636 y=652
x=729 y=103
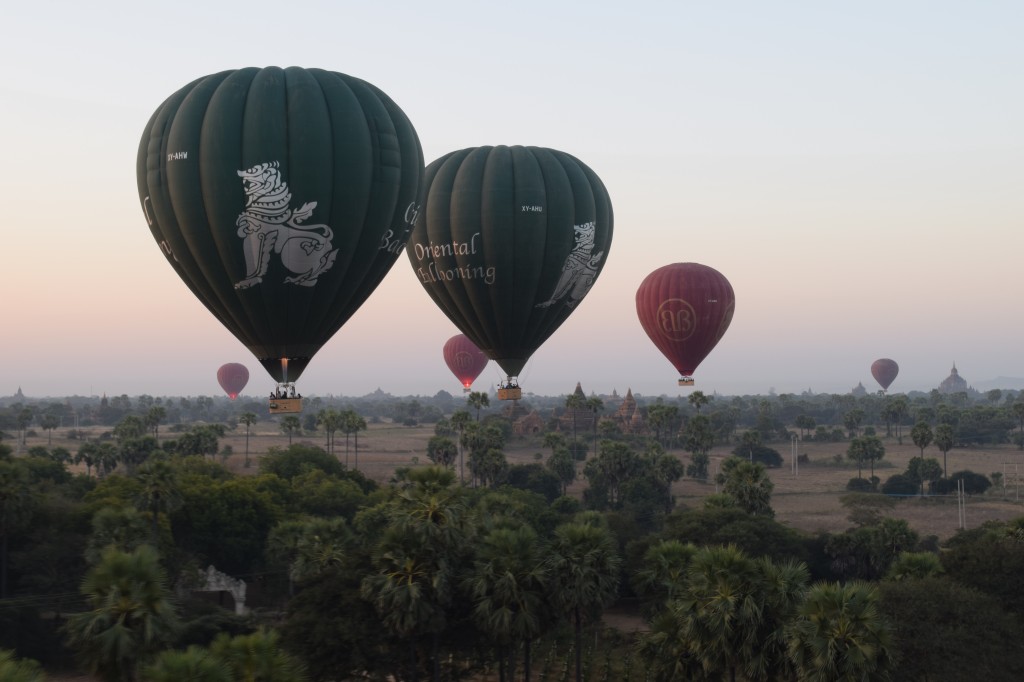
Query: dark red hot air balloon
x=464 y=359
x=884 y=371
x=233 y=377
x=685 y=308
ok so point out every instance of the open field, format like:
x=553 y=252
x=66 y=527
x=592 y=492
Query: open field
x=808 y=501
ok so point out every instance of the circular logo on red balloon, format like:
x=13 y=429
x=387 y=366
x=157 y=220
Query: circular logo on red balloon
x=676 y=319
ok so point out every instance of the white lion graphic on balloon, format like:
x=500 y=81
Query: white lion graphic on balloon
x=269 y=226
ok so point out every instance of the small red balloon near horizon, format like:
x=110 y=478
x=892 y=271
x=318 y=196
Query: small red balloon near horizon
x=233 y=377
x=464 y=359
x=685 y=308
x=884 y=371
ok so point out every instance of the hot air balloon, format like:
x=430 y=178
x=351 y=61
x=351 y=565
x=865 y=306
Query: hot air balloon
x=281 y=197
x=685 y=308
x=233 y=377
x=464 y=359
x=508 y=241
x=884 y=371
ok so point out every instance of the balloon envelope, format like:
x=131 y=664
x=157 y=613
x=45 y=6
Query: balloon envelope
x=884 y=371
x=686 y=309
x=281 y=197
x=464 y=359
x=508 y=242
x=233 y=377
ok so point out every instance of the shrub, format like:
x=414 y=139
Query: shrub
x=859 y=485
x=974 y=484
x=900 y=484
x=767 y=456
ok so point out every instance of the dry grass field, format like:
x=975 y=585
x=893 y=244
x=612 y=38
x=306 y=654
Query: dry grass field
x=807 y=501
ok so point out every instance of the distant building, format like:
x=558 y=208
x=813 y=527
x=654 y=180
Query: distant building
x=584 y=417
x=954 y=383
x=628 y=417
x=859 y=390
x=529 y=425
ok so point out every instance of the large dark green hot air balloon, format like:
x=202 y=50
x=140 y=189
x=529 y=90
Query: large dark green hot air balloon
x=281 y=197
x=507 y=243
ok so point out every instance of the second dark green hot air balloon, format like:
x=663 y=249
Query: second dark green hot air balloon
x=281 y=197
x=508 y=241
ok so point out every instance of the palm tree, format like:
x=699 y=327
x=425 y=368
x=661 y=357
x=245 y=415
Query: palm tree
x=507 y=584
x=24 y=418
x=748 y=484
x=459 y=419
x=16 y=498
x=441 y=450
x=290 y=425
x=49 y=422
x=852 y=420
x=354 y=423
x=131 y=618
x=24 y=670
x=840 y=635
x=663 y=575
x=900 y=408
x=922 y=435
x=88 y=454
x=698 y=400
x=257 y=657
x=320 y=545
x=331 y=420
x=944 y=439
x=248 y=418
x=194 y=664
x=750 y=440
x=718 y=613
x=595 y=405
x=416 y=559
x=573 y=403
x=915 y=565
x=124 y=528
x=583 y=569
x=1018 y=411
x=729 y=616
x=478 y=400
x=159 y=492
x=155 y=415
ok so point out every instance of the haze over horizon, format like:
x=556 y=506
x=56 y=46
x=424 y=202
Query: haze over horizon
x=855 y=171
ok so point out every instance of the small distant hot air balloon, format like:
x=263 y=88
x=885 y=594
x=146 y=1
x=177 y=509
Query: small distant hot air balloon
x=884 y=371
x=233 y=377
x=507 y=243
x=281 y=197
x=685 y=308
x=464 y=359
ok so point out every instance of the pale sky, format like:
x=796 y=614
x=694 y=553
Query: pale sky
x=855 y=169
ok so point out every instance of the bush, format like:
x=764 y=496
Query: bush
x=535 y=478
x=974 y=484
x=859 y=485
x=566 y=506
x=760 y=453
x=900 y=484
x=296 y=459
